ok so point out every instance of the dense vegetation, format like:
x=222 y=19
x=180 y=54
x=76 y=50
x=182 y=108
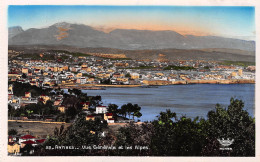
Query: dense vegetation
x=168 y=135
x=172 y=67
x=30 y=109
x=142 y=67
x=19 y=89
x=238 y=63
x=139 y=67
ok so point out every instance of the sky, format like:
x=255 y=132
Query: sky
x=232 y=22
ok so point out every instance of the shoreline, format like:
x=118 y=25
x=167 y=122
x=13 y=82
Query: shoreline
x=156 y=83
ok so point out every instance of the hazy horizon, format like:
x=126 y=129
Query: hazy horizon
x=230 y=22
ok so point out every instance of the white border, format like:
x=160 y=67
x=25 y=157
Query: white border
x=3 y=70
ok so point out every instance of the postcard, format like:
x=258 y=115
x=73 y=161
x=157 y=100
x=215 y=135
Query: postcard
x=144 y=81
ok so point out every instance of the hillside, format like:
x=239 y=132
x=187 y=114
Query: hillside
x=83 y=36
x=169 y=54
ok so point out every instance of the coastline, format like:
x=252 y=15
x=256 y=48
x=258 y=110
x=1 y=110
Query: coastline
x=156 y=83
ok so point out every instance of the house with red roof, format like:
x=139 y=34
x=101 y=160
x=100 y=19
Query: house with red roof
x=90 y=117
x=29 y=142
x=108 y=116
x=57 y=102
x=26 y=138
x=110 y=120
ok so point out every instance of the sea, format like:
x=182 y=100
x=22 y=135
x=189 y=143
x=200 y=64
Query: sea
x=190 y=100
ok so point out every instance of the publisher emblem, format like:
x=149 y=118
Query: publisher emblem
x=225 y=143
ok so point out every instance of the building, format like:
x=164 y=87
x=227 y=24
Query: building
x=81 y=80
x=26 y=138
x=101 y=109
x=240 y=72
x=233 y=74
x=134 y=76
x=13 y=148
x=90 y=117
x=57 y=102
x=79 y=75
x=85 y=105
x=45 y=98
x=108 y=116
x=25 y=70
x=62 y=108
x=10 y=89
x=110 y=120
x=28 y=94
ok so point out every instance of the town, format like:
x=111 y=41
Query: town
x=47 y=87
x=77 y=70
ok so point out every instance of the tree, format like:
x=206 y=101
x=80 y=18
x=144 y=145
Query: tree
x=12 y=132
x=233 y=123
x=133 y=135
x=130 y=109
x=127 y=75
x=76 y=91
x=138 y=114
x=71 y=112
x=58 y=132
x=29 y=112
x=113 y=108
x=24 y=76
x=177 y=137
x=11 y=110
x=166 y=117
x=136 y=111
x=80 y=133
x=123 y=110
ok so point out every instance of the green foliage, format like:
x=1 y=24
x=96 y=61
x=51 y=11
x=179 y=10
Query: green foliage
x=113 y=108
x=238 y=63
x=166 y=136
x=172 y=67
x=130 y=110
x=12 y=132
x=88 y=75
x=106 y=81
x=233 y=123
x=141 y=67
x=11 y=110
x=39 y=108
x=24 y=76
x=127 y=75
x=132 y=136
x=81 y=133
x=71 y=112
x=19 y=89
x=77 y=92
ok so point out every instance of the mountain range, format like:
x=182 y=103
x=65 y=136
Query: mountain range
x=83 y=36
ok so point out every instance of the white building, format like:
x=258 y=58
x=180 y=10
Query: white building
x=101 y=109
x=111 y=120
x=83 y=80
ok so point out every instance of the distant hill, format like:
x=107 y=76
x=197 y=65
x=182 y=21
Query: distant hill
x=83 y=36
x=169 y=54
x=13 y=31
